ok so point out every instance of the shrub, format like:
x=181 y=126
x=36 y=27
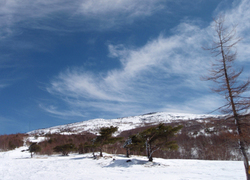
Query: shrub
x=11 y=141
x=65 y=149
x=34 y=148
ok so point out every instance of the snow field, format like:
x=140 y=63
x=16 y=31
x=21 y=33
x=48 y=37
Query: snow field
x=18 y=165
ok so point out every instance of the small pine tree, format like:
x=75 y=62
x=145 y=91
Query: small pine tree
x=81 y=149
x=91 y=146
x=34 y=148
x=65 y=149
x=134 y=143
x=105 y=138
x=126 y=145
x=156 y=138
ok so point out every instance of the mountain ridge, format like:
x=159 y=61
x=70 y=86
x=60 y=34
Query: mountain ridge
x=123 y=124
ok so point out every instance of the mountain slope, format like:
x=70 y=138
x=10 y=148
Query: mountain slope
x=123 y=124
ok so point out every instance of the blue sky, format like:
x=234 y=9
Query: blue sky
x=68 y=61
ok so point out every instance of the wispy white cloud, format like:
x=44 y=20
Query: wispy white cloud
x=150 y=76
x=3 y=85
x=111 y=13
x=7 y=80
x=58 y=113
x=199 y=105
x=177 y=55
x=16 y=17
x=79 y=84
x=144 y=75
x=132 y=8
x=89 y=14
x=240 y=16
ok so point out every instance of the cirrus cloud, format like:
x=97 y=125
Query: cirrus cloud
x=77 y=15
x=166 y=70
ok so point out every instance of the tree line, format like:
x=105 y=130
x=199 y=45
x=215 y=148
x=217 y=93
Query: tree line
x=152 y=139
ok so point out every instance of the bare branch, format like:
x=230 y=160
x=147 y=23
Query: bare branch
x=226 y=77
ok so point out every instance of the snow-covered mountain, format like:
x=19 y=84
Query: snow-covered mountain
x=123 y=124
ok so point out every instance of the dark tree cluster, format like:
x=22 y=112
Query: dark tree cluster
x=34 y=148
x=153 y=139
x=65 y=149
x=54 y=140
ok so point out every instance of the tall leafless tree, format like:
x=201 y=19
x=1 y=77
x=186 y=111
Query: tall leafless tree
x=226 y=76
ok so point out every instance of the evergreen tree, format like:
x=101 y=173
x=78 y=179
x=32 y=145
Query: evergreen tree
x=81 y=148
x=105 y=138
x=126 y=145
x=156 y=138
x=34 y=148
x=91 y=146
x=133 y=143
x=65 y=149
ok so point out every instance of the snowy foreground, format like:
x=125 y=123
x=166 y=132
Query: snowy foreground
x=18 y=165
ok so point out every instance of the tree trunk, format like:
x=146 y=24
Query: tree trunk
x=242 y=145
x=127 y=149
x=147 y=148
x=245 y=158
x=150 y=158
x=101 y=153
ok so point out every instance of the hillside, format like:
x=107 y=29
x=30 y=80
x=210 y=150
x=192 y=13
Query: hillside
x=206 y=137
x=123 y=124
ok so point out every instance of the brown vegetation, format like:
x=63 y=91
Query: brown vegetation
x=209 y=139
x=54 y=140
x=12 y=141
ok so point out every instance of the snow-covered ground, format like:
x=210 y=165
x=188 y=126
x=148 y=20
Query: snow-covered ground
x=17 y=165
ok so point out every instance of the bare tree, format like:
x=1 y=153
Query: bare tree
x=226 y=76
